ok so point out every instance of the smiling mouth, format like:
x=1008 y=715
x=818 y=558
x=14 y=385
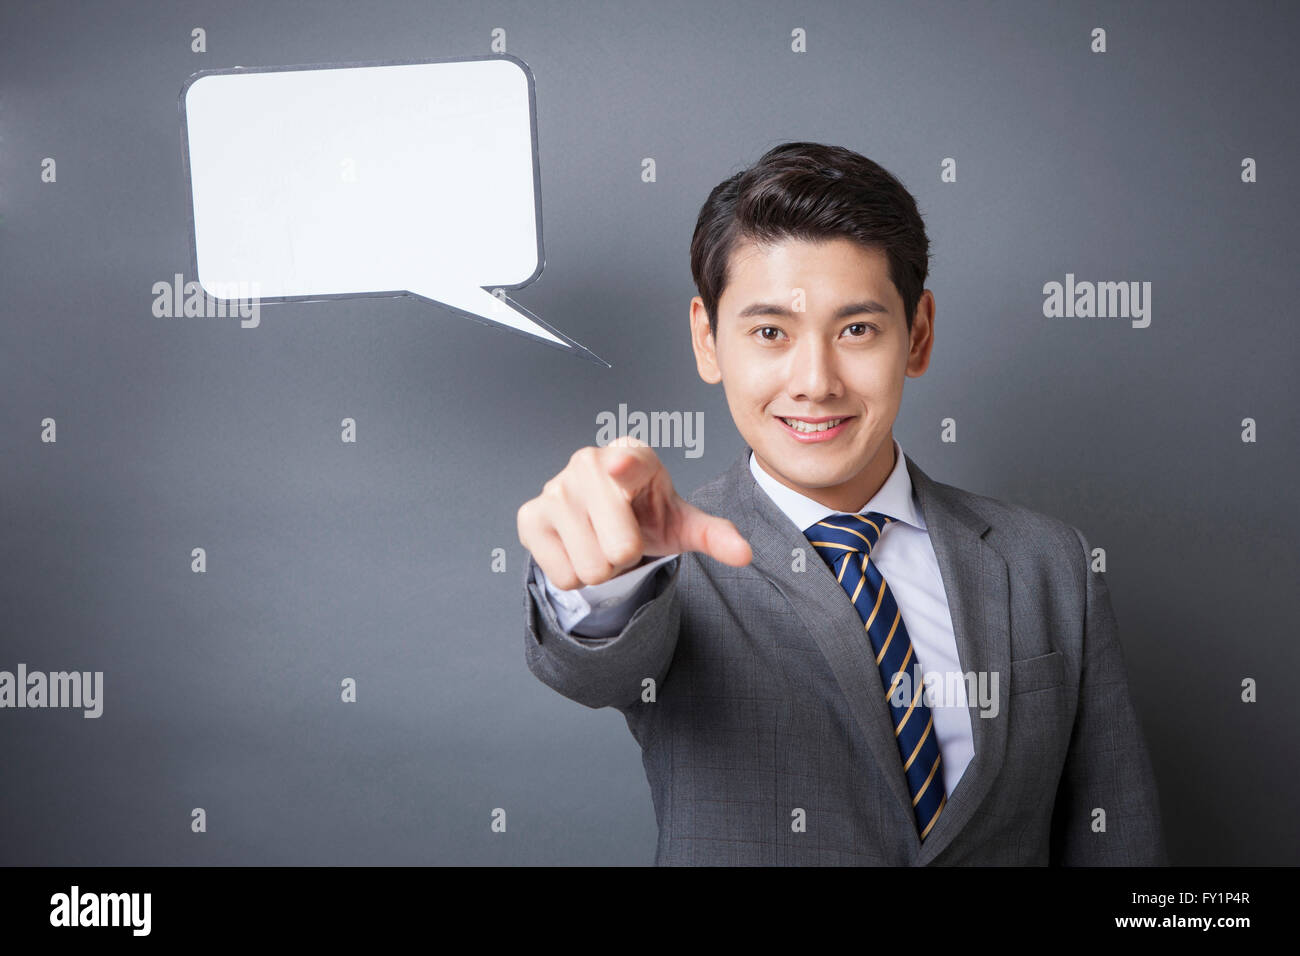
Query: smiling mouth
x=812 y=427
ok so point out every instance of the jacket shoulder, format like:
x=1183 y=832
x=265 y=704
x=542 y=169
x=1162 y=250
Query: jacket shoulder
x=1021 y=533
x=713 y=493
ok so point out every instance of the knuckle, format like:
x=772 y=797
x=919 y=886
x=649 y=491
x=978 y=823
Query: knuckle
x=625 y=552
x=593 y=572
x=583 y=455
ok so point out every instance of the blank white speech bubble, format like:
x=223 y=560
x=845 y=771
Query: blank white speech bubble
x=370 y=179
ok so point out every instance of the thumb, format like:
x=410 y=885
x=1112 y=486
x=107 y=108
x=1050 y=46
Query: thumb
x=714 y=536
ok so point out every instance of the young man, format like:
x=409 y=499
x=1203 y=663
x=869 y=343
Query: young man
x=826 y=656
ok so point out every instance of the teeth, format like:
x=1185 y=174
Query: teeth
x=805 y=427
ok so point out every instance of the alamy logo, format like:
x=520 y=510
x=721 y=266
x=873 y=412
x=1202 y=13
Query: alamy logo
x=656 y=429
x=1102 y=300
x=948 y=689
x=55 y=689
x=102 y=909
x=181 y=298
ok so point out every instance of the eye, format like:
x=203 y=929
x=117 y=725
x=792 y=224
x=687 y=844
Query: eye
x=863 y=326
x=767 y=328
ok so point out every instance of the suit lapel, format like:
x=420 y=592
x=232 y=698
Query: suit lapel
x=975 y=582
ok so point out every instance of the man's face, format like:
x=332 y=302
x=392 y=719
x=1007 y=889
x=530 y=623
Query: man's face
x=814 y=331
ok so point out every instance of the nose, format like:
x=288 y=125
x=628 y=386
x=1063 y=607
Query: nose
x=813 y=375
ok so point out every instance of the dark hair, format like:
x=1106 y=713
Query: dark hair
x=813 y=192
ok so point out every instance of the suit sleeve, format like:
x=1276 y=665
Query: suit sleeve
x=1107 y=766
x=603 y=671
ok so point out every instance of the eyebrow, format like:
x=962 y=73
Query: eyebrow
x=869 y=306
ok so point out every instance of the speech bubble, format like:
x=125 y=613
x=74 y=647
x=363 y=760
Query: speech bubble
x=385 y=178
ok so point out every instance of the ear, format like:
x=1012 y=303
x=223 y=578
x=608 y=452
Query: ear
x=922 y=342
x=702 y=340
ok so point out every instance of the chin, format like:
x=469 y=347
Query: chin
x=812 y=476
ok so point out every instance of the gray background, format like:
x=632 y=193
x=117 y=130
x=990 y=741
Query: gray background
x=372 y=560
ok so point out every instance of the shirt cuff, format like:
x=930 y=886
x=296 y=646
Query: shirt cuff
x=575 y=606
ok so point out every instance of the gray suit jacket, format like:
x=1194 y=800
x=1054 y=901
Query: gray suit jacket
x=768 y=700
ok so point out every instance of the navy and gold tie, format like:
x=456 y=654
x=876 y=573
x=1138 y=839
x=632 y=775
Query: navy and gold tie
x=845 y=542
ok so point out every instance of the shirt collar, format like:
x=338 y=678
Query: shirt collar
x=895 y=497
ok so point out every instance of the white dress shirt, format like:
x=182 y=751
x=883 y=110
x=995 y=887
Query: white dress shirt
x=905 y=558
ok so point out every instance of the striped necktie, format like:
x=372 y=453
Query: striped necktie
x=845 y=542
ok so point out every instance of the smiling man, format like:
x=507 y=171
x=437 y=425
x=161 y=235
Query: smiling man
x=826 y=656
